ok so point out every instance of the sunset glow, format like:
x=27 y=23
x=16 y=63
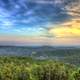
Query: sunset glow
x=44 y=22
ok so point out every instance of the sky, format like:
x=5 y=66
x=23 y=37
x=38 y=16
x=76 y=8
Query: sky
x=40 y=22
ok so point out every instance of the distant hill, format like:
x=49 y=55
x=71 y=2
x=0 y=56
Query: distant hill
x=65 y=54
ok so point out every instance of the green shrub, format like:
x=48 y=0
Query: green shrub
x=15 y=68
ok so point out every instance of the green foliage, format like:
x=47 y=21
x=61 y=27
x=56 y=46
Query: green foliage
x=23 y=68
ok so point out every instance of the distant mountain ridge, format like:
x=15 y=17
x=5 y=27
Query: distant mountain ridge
x=27 y=50
x=66 y=54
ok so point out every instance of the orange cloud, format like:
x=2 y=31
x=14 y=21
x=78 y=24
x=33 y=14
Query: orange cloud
x=69 y=29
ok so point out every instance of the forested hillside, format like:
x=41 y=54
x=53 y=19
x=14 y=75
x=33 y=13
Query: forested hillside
x=23 y=68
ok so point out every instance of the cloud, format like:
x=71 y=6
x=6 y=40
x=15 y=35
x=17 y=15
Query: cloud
x=25 y=41
x=42 y=1
x=51 y=2
x=70 y=29
x=51 y=21
x=73 y=8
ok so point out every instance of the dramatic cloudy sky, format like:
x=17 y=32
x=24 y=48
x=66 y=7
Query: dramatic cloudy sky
x=40 y=22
